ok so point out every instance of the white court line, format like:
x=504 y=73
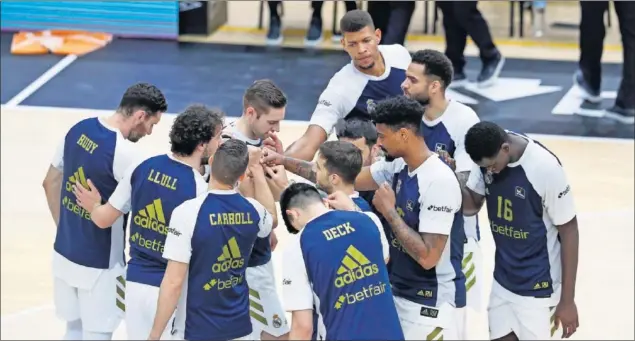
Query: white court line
x=43 y=79
x=298 y=123
x=26 y=312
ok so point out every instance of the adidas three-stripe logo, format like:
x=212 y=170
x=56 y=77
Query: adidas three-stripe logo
x=354 y=266
x=231 y=257
x=152 y=218
x=79 y=176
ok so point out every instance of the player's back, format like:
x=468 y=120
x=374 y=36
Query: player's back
x=346 y=266
x=92 y=151
x=159 y=184
x=227 y=225
x=362 y=203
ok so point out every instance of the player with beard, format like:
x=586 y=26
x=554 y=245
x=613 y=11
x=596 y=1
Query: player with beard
x=151 y=191
x=444 y=125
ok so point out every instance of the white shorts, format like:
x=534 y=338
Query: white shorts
x=141 y=307
x=265 y=308
x=472 y=266
x=100 y=308
x=528 y=323
x=443 y=323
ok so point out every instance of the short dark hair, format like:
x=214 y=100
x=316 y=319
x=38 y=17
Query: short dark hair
x=196 y=125
x=342 y=158
x=230 y=161
x=484 y=140
x=436 y=64
x=142 y=96
x=298 y=195
x=355 y=21
x=398 y=112
x=356 y=128
x=263 y=95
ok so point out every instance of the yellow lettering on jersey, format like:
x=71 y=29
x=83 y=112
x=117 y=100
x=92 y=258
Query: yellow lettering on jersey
x=86 y=143
x=230 y=218
x=338 y=231
x=508 y=231
x=162 y=179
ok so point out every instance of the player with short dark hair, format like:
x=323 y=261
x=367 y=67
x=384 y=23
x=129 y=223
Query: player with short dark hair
x=151 y=190
x=209 y=242
x=336 y=265
x=375 y=73
x=444 y=125
x=533 y=220
x=420 y=198
x=88 y=262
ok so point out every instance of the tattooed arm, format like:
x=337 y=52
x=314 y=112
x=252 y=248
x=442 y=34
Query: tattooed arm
x=425 y=248
x=299 y=167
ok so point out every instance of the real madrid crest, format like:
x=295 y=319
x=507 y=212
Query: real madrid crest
x=398 y=186
x=489 y=178
x=370 y=105
x=277 y=322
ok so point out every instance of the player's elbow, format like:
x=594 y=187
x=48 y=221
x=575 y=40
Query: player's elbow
x=302 y=327
x=306 y=147
x=100 y=222
x=428 y=263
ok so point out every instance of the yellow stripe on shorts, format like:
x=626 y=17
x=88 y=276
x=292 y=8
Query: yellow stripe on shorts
x=121 y=293
x=256 y=310
x=437 y=334
x=470 y=275
x=554 y=327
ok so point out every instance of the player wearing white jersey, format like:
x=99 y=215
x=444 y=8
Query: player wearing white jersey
x=443 y=127
x=264 y=106
x=420 y=198
x=88 y=262
x=533 y=220
x=375 y=73
x=152 y=190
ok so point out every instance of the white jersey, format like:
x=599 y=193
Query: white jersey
x=526 y=202
x=429 y=201
x=351 y=93
x=232 y=132
x=90 y=150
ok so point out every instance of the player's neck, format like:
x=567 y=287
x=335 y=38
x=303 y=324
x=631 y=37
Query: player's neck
x=346 y=189
x=193 y=160
x=419 y=153
x=243 y=127
x=118 y=121
x=215 y=185
x=378 y=69
x=315 y=211
x=435 y=109
x=517 y=147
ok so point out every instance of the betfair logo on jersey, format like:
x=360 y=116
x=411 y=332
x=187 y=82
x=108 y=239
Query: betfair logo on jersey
x=153 y=218
x=439 y=209
x=355 y=266
x=223 y=284
x=508 y=231
x=146 y=243
x=563 y=193
x=230 y=259
x=365 y=293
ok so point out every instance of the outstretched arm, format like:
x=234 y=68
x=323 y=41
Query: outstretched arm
x=305 y=148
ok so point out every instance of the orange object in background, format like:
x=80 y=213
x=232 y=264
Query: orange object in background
x=62 y=42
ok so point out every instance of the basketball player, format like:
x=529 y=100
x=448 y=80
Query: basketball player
x=151 y=190
x=375 y=73
x=264 y=106
x=420 y=198
x=88 y=262
x=339 y=259
x=533 y=220
x=444 y=126
x=209 y=242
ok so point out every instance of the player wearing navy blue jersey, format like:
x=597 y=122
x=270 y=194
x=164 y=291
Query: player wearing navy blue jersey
x=444 y=125
x=208 y=246
x=420 y=198
x=374 y=73
x=151 y=190
x=336 y=265
x=88 y=262
x=533 y=220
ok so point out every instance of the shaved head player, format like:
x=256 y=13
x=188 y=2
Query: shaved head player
x=88 y=262
x=375 y=73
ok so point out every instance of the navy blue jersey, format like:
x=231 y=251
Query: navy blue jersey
x=338 y=264
x=215 y=233
x=152 y=190
x=363 y=205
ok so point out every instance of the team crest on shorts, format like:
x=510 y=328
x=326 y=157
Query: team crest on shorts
x=370 y=105
x=277 y=321
x=489 y=178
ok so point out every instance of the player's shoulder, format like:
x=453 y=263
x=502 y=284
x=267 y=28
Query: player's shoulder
x=396 y=55
x=345 y=80
x=540 y=160
x=393 y=166
x=435 y=170
x=255 y=204
x=459 y=118
x=191 y=207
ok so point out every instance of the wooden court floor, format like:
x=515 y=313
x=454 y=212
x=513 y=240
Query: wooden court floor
x=600 y=172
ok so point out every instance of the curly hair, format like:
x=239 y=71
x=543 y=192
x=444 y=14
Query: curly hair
x=436 y=64
x=484 y=140
x=142 y=96
x=196 y=125
x=399 y=112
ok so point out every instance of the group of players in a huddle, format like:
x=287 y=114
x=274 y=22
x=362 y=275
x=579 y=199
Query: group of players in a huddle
x=386 y=244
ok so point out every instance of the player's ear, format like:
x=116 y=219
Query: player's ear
x=377 y=35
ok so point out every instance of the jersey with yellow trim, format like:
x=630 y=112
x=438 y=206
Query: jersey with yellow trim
x=157 y=186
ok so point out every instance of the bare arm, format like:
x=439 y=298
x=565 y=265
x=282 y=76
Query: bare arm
x=105 y=215
x=168 y=296
x=569 y=240
x=52 y=185
x=301 y=325
x=262 y=192
x=306 y=147
x=425 y=248
x=299 y=167
x=364 y=180
x=472 y=201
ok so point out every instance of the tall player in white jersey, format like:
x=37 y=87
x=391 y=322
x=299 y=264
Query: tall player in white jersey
x=533 y=220
x=152 y=190
x=443 y=127
x=88 y=262
x=264 y=106
x=374 y=73
x=420 y=198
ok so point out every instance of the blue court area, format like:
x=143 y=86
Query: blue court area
x=216 y=75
